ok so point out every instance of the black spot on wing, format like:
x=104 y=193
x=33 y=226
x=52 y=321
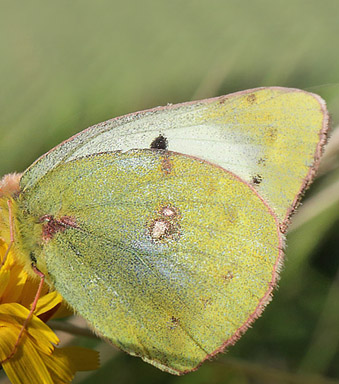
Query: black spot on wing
x=159 y=142
x=257 y=179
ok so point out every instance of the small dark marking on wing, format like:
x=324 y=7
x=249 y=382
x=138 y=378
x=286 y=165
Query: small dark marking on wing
x=228 y=276
x=251 y=98
x=52 y=225
x=174 y=322
x=166 y=163
x=160 y=142
x=206 y=302
x=257 y=179
x=166 y=225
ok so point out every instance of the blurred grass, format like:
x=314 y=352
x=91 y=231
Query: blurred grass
x=67 y=65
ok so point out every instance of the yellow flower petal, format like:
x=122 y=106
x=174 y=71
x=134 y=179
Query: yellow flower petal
x=36 y=359
x=15 y=314
x=63 y=311
x=10 y=261
x=8 y=338
x=3 y=249
x=4 y=280
x=83 y=359
x=30 y=290
x=65 y=362
x=47 y=302
x=16 y=284
x=27 y=366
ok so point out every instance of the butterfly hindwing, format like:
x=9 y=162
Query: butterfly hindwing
x=167 y=256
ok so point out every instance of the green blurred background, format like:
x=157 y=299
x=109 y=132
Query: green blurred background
x=66 y=65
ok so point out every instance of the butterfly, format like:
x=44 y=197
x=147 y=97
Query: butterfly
x=165 y=228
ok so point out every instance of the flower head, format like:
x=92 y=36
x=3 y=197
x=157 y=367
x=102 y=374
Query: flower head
x=36 y=358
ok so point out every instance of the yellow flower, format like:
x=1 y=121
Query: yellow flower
x=36 y=359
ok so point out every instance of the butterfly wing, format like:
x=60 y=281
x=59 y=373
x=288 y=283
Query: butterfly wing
x=167 y=256
x=270 y=137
